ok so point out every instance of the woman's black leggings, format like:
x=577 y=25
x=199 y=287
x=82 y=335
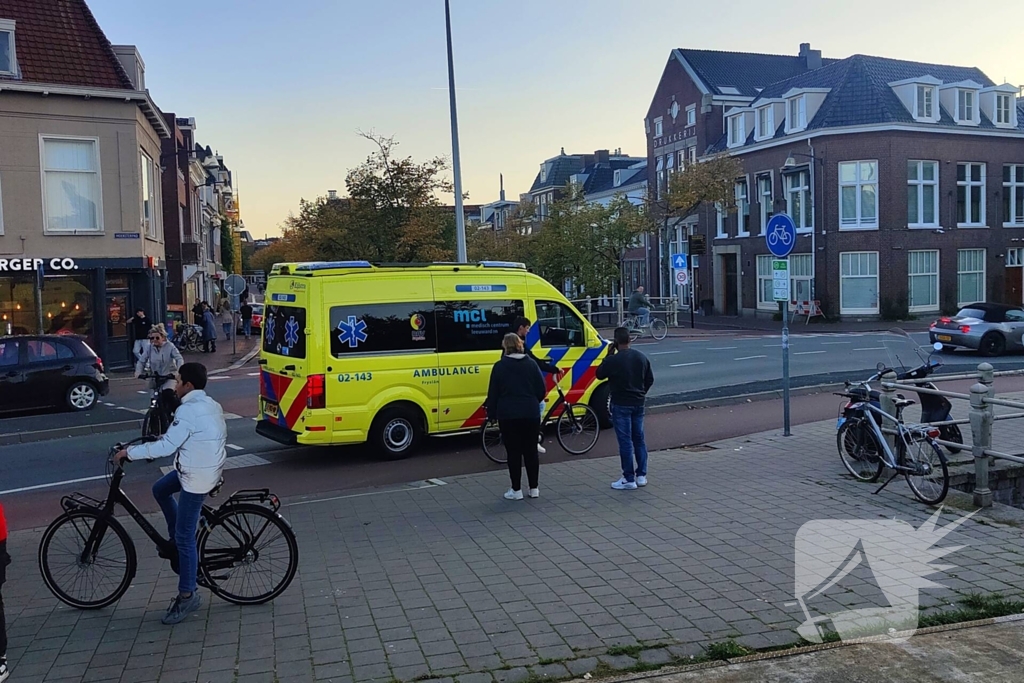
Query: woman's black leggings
x=520 y=439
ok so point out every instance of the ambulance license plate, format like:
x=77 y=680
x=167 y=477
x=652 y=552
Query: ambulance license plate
x=270 y=409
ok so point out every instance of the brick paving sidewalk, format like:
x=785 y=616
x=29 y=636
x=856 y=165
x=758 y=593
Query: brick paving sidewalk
x=452 y=581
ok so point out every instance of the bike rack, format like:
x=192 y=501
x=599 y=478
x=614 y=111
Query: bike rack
x=80 y=501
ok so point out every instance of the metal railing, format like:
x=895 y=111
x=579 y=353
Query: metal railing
x=610 y=311
x=983 y=402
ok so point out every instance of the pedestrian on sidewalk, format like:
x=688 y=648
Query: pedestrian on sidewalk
x=197 y=440
x=197 y=312
x=140 y=333
x=514 y=391
x=227 y=318
x=246 y=312
x=522 y=327
x=5 y=560
x=209 y=331
x=629 y=373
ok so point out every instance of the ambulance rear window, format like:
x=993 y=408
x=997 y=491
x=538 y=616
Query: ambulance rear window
x=284 y=331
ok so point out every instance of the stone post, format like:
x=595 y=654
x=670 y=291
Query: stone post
x=981 y=438
x=887 y=402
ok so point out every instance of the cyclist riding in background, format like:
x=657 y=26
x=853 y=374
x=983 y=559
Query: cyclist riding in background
x=522 y=327
x=196 y=439
x=640 y=306
x=163 y=359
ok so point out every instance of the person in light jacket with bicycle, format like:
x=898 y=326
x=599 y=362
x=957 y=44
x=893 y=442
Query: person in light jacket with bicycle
x=640 y=306
x=197 y=440
x=161 y=358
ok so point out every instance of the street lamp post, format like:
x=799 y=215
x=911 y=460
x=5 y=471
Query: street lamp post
x=790 y=164
x=460 y=217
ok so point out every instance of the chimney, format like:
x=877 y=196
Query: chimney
x=332 y=195
x=501 y=185
x=812 y=58
x=601 y=155
x=132 y=63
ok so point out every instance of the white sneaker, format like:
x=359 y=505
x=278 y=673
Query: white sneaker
x=534 y=493
x=623 y=485
x=3 y=671
x=641 y=481
x=541 y=449
x=513 y=495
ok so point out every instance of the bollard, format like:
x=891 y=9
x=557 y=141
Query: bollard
x=981 y=437
x=887 y=403
x=590 y=312
x=618 y=306
x=674 y=307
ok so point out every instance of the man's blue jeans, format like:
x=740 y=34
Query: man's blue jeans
x=644 y=314
x=629 y=430
x=182 y=519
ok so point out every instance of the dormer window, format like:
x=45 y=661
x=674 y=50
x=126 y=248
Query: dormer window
x=543 y=173
x=737 y=131
x=8 y=62
x=925 y=101
x=765 y=123
x=796 y=114
x=1003 y=108
x=617 y=179
x=965 y=105
x=999 y=104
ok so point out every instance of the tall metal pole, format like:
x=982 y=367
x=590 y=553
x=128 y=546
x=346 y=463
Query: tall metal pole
x=814 y=227
x=460 y=217
x=785 y=367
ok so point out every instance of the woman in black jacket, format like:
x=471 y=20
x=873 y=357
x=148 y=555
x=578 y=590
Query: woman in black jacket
x=515 y=389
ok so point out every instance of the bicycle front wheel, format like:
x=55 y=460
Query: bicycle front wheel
x=494 y=448
x=87 y=580
x=859 y=450
x=659 y=329
x=927 y=476
x=578 y=428
x=248 y=555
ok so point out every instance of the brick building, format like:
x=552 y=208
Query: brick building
x=905 y=180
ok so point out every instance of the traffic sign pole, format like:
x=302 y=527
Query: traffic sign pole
x=780 y=235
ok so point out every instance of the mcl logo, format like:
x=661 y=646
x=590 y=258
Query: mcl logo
x=470 y=316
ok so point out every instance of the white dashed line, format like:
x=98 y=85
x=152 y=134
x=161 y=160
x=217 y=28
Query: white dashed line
x=834 y=343
x=683 y=365
x=252 y=374
x=662 y=353
x=234 y=447
x=806 y=353
x=722 y=348
x=871 y=348
x=233 y=463
x=749 y=357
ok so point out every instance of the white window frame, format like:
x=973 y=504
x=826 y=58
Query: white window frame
x=1010 y=104
x=150 y=228
x=960 y=272
x=843 y=310
x=720 y=233
x=799 y=182
x=970 y=182
x=765 y=123
x=691 y=115
x=800 y=103
x=47 y=230
x=681 y=162
x=965 y=107
x=924 y=102
x=8 y=25
x=742 y=206
x=659 y=127
x=934 y=304
x=765 y=210
x=798 y=263
x=859 y=222
x=692 y=155
x=659 y=176
x=737 y=130
x=917 y=186
x=1012 y=189
x=1015 y=257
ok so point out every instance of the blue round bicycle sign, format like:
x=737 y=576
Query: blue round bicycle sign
x=780 y=235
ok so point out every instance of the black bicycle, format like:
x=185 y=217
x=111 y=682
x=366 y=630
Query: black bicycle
x=190 y=338
x=158 y=418
x=577 y=429
x=248 y=554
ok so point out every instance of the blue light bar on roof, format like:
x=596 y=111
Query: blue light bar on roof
x=332 y=265
x=503 y=264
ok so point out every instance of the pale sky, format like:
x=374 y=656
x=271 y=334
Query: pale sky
x=281 y=88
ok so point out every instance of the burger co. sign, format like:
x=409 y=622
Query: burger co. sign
x=20 y=265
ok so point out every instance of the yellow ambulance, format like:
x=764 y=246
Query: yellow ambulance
x=354 y=352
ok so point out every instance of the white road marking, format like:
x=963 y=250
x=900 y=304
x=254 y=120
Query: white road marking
x=108 y=404
x=132 y=410
x=683 y=365
x=53 y=484
x=233 y=463
x=871 y=348
x=806 y=353
x=142 y=392
x=834 y=343
x=749 y=357
x=219 y=377
x=234 y=447
x=232 y=416
x=721 y=348
x=252 y=374
x=662 y=353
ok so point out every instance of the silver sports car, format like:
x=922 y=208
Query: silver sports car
x=990 y=329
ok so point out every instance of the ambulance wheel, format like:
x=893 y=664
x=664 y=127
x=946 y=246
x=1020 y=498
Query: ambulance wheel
x=397 y=432
x=600 y=401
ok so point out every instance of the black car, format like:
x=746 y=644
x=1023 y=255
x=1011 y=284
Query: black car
x=49 y=370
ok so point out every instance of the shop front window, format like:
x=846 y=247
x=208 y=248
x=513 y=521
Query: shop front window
x=18 y=306
x=67 y=306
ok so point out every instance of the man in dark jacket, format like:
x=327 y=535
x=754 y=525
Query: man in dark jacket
x=4 y=561
x=629 y=373
x=140 y=333
x=522 y=327
x=640 y=305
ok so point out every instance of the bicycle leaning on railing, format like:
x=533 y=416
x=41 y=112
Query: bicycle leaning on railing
x=865 y=451
x=189 y=338
x=248 y=554
x=577 y=428
x=656 y=326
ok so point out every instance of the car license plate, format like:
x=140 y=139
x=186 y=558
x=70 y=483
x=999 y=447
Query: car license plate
x=943 y=337
x=270 y=409
x=839 y=423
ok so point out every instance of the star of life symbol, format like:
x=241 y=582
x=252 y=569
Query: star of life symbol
x=897 y=555
x=271 y=322
x=352 y=332
x=291 y=332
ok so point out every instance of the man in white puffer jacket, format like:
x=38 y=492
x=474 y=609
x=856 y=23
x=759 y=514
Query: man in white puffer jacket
x=197 y=440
